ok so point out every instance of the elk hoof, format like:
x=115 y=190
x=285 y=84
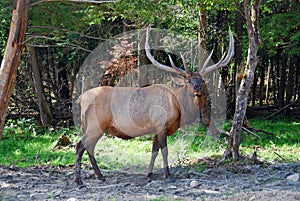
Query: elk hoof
x=81 y=186
x=149 y=177
x=79 y=182
x=101 y=177
x=170 y=179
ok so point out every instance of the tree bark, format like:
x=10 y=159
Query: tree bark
x=44 y=108
x=238 y=52
x=251 y=11
x=11 y=59
x=202 y=34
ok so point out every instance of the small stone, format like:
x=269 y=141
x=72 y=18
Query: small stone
x=69 y=174
x=194 y=183
x=156 y=184
x=21 y=197
x=172 y=187
x=207 y=171
x=252 y=198
x=212 y=192
x=293 y=177
x=38 y=196
x=57 y=193
x=72 y=199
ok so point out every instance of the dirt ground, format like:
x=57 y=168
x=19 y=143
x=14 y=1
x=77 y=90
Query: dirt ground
x=225 y=182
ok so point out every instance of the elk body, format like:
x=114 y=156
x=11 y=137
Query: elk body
x=128 y=112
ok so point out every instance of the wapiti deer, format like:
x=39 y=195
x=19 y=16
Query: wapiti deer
x=128 y=112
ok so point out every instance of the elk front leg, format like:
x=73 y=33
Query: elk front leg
x=162 y=139
x=155 y=149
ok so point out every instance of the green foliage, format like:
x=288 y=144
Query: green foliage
x=61 y=18
x=25 y=144
x=280 y=30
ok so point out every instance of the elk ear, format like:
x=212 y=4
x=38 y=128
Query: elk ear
x=177 y=81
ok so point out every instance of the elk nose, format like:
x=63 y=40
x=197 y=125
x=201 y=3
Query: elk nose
x=197 y=88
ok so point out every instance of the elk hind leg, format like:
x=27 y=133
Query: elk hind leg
x=96 y=168
x=79 y=152
x=90 y=140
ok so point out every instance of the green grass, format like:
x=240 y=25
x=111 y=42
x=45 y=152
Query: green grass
x=281 y=144
x=25 y=144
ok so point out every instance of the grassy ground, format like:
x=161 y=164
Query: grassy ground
x=25 y=144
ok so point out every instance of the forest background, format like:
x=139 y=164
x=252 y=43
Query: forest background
x=60 y=35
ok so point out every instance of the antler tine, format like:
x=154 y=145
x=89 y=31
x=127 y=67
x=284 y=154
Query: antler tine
x=184 y=63
x=183 y=72
x=171 y=61
x=207 y=60
x=223 y=62
x=156 y=63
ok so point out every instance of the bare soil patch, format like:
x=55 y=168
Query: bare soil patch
x=223 y=182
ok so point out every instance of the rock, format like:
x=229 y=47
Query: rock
x=293 y=177
x=212 y=192
x=69 y=174
x=38 y=196
x=252 y=198
x=207 y=171
x=57 y=193
x=72 y=199
x=155 y=184
x=194 y=183
x=172 y=187
x=22 y=197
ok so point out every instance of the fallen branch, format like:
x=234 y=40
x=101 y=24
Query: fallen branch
x=249 y=131
x=37 y=156
x=283 y=108
x=279 y=156
x=262 y=131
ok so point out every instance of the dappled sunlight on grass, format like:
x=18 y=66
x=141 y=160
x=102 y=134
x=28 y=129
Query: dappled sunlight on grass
x=280 y=143
x=25 y=144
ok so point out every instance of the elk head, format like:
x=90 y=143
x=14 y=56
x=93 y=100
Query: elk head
x=193 y=81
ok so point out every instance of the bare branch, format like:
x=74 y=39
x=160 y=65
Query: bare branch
x=80 y=1
x=67 y=30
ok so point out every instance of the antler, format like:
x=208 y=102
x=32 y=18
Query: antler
x=159 y=65
x=223 y=62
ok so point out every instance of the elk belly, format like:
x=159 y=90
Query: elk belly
x=118 y=133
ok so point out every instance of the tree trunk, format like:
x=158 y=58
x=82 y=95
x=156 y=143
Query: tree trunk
x=282 y=79
x=44 y=108
x=251 y=17
x=202 y=34
x=232 y=92
x=290 y=85
x=262 y=83
x=11 y=59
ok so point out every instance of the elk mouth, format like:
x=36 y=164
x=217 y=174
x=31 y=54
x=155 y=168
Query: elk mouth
x=197 y=93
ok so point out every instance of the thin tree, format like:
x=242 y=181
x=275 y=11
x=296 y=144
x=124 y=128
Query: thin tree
x=44 y=108
x=251 y=12
x=11 y=59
